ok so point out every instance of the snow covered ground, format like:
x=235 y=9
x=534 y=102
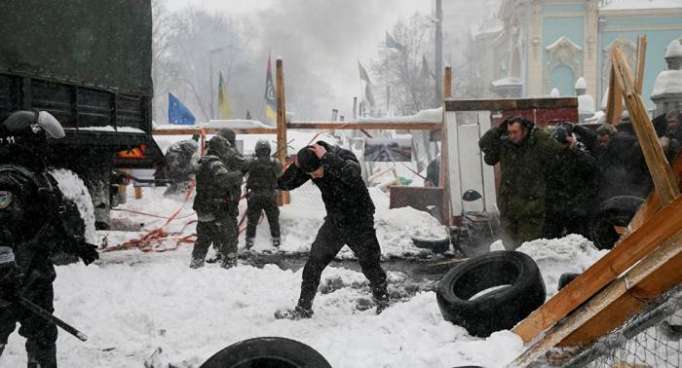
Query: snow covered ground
x=131 y=303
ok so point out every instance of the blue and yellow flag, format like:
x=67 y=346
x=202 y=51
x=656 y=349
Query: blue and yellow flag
x=224 y=109
x=270 y=100
x=178 y=113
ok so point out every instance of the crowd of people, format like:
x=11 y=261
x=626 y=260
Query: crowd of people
x=553 y=181
x=334 y=170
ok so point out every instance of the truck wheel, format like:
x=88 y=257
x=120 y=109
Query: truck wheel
x=267 y=352
x=615 y=211
x=459 y=292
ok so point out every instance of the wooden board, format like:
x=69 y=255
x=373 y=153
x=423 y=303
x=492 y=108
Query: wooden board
x=192 y=131
x=510 y=104
x=357 y=125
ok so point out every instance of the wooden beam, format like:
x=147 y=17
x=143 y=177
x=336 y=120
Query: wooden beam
x=366 y=125
x=614 y=104
x=192 y=131
x=663 y=231
x=638 y=289
x=444 y=172
x=661 y=172
x=641 y=61
x=282 y=143
x=653 y=202
x=498 y=104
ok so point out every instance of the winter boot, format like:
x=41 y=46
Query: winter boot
x=276 y=242
x=229 y=261
x=196 y=263
x=294 y=314
x=381 y=305
x=249 y=243
x=217 y=259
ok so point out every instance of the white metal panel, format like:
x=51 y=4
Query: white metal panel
x=470 y=162
x=454 y=181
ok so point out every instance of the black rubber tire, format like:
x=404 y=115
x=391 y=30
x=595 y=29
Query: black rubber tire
x=267 y=352
x=615 y=211
x=437 y=246
x=497 y=310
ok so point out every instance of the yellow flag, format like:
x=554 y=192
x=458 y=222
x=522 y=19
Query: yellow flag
x=224 y=109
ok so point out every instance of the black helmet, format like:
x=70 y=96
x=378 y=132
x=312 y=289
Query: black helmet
x=228 y=134
x=307 y=160
x=218 y=146
x=263 y=148
x=33 y=122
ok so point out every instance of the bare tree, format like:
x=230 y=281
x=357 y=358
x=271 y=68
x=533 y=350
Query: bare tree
x=191 y=48
x=403 y=64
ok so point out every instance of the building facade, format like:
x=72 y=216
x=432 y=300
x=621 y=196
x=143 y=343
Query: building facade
x=547 y=44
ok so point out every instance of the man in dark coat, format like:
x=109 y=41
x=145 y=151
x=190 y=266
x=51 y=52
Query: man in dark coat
x=213 y=203
x=350 y=220
x=525 y=154
x=261 y=184
x=571 y=187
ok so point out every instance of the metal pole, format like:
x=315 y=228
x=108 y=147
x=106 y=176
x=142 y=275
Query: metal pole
x=439 y=53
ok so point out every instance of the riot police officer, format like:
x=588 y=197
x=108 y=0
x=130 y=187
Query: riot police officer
x=37 y=222
x=261 y=185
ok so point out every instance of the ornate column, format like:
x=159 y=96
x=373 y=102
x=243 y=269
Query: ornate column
x=591 y=47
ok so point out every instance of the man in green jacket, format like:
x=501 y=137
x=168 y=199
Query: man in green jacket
x=526 y=155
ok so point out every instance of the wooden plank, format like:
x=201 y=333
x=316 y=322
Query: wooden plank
x=631 y=249
x=661 y=172
x=192 y=131
x=499 y=104
x=663 y=231
x=628 y=304
x=282 y=143
x=641 y=61
x=358 y=125
x=444 y=174
x=653 y=202
x=614 y=104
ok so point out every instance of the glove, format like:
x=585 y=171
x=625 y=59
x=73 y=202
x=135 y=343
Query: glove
x=10 y=276
x=88 y=253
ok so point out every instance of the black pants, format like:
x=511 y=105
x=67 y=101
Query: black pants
x=362 y=240
x=41 y=336
x=222 y=233
x=560 y=223
x=259 y=202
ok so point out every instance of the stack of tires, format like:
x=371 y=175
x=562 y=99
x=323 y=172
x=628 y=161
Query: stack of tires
x=491 y=292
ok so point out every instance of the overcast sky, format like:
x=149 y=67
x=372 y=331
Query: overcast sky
x=325 y=38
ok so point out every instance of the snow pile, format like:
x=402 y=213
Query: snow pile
x=572 y=254
x=129 y=310
x=73 y=189
x=667 y=82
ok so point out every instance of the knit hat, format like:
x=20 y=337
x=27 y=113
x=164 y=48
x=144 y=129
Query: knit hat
x=307 y=160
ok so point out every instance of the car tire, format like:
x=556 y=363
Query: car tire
x=267 y=352
x=497 y=310
x=438 y=246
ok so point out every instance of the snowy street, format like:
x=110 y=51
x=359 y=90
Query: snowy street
x=130 y=303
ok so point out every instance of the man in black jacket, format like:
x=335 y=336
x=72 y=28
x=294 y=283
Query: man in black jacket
x=350 y=220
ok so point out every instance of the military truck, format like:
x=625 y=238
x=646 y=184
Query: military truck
x=88 y=63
